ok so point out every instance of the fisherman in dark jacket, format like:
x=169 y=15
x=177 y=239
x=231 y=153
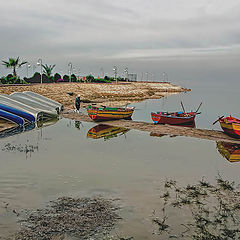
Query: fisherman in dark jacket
x=77 y=103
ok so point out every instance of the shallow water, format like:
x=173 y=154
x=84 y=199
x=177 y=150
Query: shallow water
x=131 y=166
x=63 y=159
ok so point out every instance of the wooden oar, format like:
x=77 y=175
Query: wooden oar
x=219 y=118
x=199 y=107
x=182 y=106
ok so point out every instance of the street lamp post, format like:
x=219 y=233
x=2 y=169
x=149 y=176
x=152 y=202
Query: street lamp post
x=165 y=77
x=28 y=66
x=102 y=72
x=147 y=75
x=79 y=74
x=33 y=68
x=70 y=70
x=126 y=71
x=115 y=72
x=39 y=63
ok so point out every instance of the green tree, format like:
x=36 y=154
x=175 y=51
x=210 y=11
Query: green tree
x=14 y=64
x=90 y=78
x=47 y=70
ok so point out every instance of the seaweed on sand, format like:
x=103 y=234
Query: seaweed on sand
x=80 y=218
x=213 y=210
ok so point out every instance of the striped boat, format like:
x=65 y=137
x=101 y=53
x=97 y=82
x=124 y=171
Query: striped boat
x=230 y=125
x=230 y=151
x=105 y=131
x=107 y=113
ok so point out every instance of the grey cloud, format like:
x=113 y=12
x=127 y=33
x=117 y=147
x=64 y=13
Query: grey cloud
x=59 y=30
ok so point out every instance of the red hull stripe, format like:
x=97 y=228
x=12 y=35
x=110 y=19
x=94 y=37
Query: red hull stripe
x=157 y=118
x=232 y=132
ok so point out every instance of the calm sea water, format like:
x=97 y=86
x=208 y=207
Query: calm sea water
x=58 y=160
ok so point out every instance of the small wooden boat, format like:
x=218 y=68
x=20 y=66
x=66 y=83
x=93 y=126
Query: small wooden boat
x=108 y=113
x=230 y=125
x=174 y=118
x=105 y=131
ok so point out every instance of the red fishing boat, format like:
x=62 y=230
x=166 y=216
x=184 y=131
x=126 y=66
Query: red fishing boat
x=230 y=125
x=174 y=118
x=182 y=118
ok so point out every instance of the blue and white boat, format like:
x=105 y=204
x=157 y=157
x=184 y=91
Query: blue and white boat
x=29 y=117
x=11 y=117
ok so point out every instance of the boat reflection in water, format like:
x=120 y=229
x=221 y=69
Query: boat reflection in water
x=27 y=127
x=45 y=123
x=230 y=151
x=160 y=134
x=106 y=131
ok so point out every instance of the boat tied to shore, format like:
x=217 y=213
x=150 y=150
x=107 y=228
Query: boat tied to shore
x=174 y=118
x=181 y=118
x=109 y=113
x=230 y=125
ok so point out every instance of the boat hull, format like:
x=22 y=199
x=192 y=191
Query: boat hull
x=18 y=112
x=232 y=129
x=161 y=118
x=11 y=117
x=102 y=114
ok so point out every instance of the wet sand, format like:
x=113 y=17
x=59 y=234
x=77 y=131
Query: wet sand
x=159 y=130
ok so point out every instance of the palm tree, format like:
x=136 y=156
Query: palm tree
x=47 y=70
x=14 y=64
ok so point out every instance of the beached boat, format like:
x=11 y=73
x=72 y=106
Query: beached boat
x=174 y=118
x=230 y=151
x=27 y=116
x=11 y=117
x=230 y=125
x=105 y=131
x=108 y=113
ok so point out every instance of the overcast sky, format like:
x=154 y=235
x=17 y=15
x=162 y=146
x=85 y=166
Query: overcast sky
x=95 y=33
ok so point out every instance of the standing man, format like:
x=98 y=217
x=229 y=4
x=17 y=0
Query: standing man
x=77 y=103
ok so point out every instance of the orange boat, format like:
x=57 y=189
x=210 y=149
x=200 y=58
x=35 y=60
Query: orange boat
x=108 y=113
x=230 y=151
x=230 y=125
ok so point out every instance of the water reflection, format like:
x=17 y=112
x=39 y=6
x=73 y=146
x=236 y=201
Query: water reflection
x=106 y=132
x=78 y=124
x=16 y=130
x=46 y=123
x=230 y=151
x=27 y=127
x=28 y=148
